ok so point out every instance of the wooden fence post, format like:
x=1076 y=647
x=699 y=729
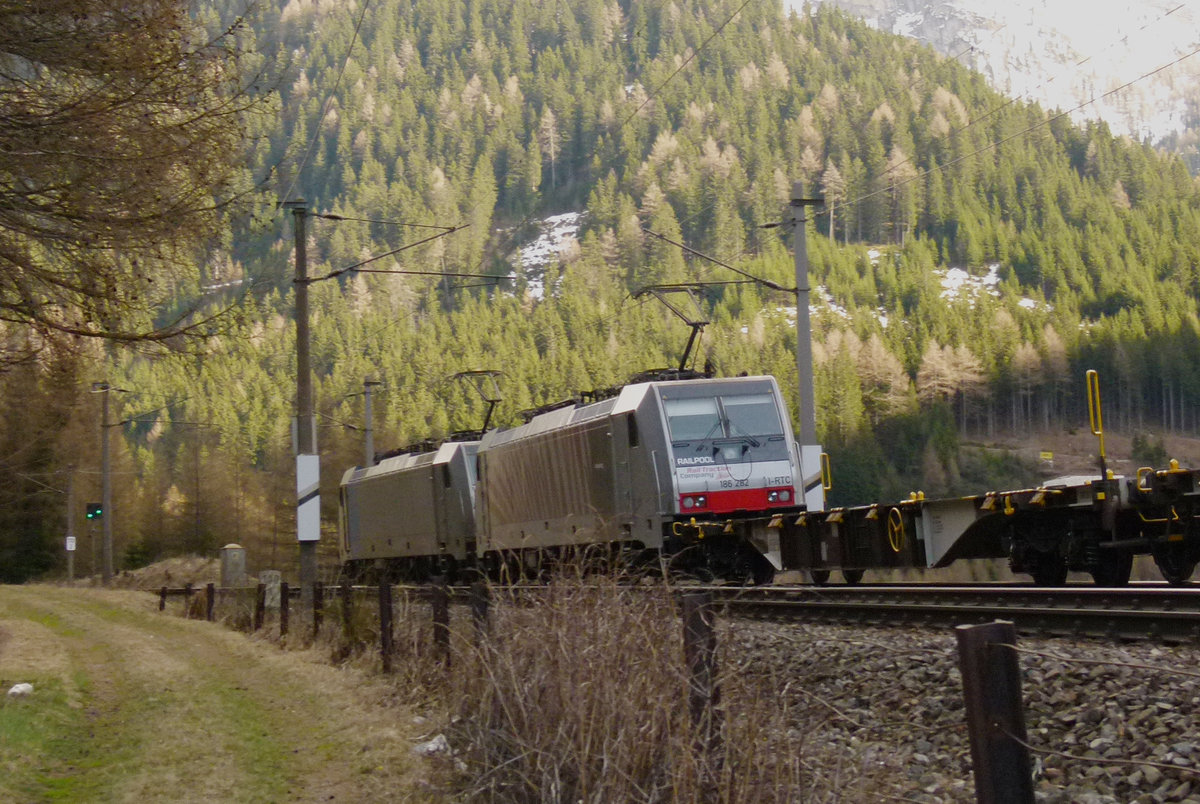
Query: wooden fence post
x=318 y=607
x=440 y=602
x=700 y=656
x=260 y=605
x=187 y=600
x=995 y=718
x=385 y=625
x=285 y=596
x=210 y=600
x=162 y=599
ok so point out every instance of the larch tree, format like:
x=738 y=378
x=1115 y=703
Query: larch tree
x=834 y=186
x=121 y=128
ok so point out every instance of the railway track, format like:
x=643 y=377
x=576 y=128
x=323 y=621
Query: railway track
x=1142 y=612
x=1163 y=614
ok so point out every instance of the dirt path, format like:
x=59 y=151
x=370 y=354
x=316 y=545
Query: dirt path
x=133 y=705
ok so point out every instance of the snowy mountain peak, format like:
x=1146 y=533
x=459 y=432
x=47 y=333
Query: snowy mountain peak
x=1132 y=64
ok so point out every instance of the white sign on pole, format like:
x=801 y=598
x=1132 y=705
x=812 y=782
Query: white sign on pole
x=308 y=498
x=70 y=544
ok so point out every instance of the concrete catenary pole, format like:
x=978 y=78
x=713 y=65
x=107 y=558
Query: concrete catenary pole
x=369 y=422
x=70 y=524
x=106 y=548
x=308 y=474
x=804 y=362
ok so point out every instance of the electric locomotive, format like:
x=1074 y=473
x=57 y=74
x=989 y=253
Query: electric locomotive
x=411 y=515
x=699 y=471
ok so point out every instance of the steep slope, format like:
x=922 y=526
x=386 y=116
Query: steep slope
x=1077 y=56
x=692 y=121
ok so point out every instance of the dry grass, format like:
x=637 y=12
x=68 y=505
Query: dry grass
x=578 y=692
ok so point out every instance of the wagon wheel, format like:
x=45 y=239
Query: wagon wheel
x=1113 y=569
x=1174 y=563
x=1049 y=569
x=852 y=577
x=819 y=577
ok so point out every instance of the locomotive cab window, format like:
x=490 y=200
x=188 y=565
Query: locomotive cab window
x=732 y=416
x=752 y=415
x=693 y=419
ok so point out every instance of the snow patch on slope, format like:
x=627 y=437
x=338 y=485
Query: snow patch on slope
x=556 y=234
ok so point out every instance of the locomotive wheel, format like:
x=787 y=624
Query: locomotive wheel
x=1049 y=569
x=819 y=577
x=1173 y=563
x=852 y=577
x=1114 y=570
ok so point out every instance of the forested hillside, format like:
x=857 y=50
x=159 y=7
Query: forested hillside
x=679 y=117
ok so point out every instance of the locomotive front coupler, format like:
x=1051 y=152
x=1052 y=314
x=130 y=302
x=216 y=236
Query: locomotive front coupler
x=691 y=530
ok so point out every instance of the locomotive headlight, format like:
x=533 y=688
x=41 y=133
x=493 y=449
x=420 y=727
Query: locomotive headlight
x=785 y=495
x=772 y=496
x=701 y=501
x=688 y=502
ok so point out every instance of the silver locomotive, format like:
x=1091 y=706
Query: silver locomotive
x=701 y=473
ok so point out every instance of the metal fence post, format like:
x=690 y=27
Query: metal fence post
x=700 y=656
x=260 y=605
x=480 y=603
x=346 y=594
x=385 y=625
x=318 y=607
x=440 y=603
x=995 y=718
x=285 y=596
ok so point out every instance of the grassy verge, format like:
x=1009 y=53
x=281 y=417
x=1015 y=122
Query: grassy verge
x=38 y=743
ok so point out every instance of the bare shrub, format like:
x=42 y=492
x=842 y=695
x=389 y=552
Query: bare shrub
x=579 y=694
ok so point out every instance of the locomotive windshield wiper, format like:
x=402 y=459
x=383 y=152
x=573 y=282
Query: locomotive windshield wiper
x=708 y=435
x=742 y=436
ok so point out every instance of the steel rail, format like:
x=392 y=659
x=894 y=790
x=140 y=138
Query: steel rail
x=1160 y=614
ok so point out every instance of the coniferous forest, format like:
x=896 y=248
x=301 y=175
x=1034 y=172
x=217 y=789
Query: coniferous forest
x=679 y=117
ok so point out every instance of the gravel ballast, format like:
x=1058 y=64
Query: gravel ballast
x=881 y=711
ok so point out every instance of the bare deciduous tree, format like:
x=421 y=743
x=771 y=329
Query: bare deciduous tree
x=121 y=128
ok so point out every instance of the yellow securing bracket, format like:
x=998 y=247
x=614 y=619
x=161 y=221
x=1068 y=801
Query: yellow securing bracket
x=873 y=514
x=1096 y=416
x=776 y=521
x=834 y=516
x=728 y=527
x=989 y=502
